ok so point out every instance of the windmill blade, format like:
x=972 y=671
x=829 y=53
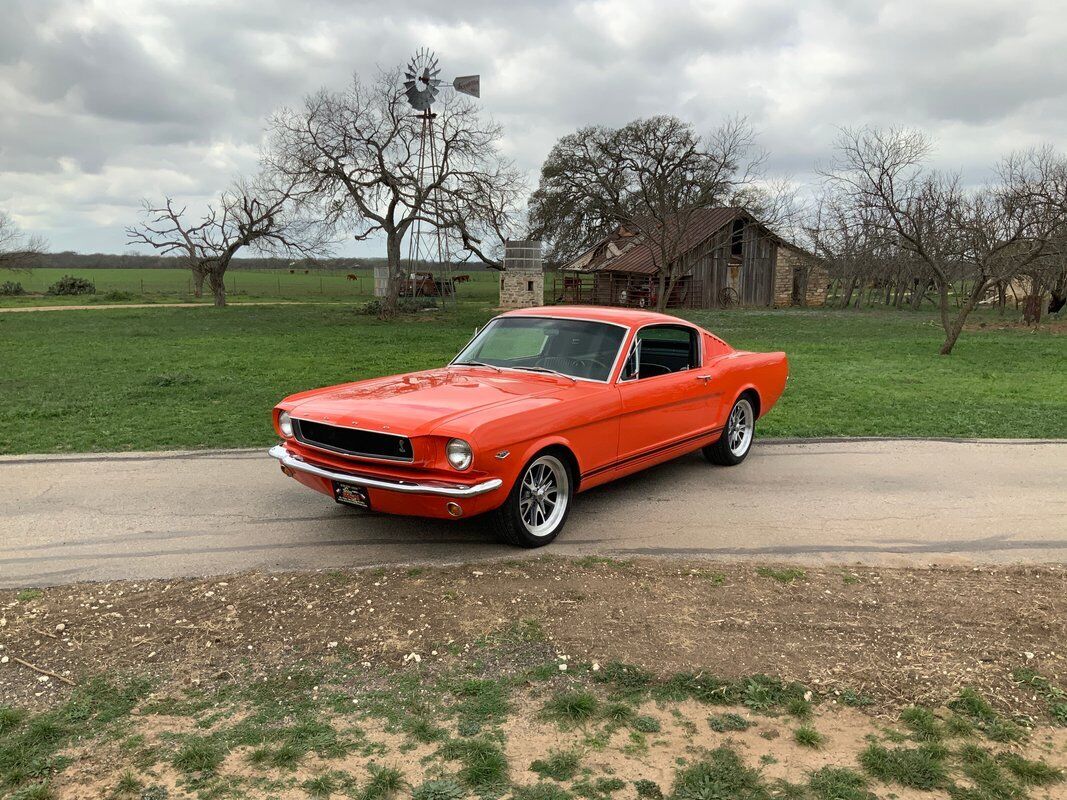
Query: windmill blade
x=468 y=84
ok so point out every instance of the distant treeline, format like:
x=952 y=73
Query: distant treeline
x=71 y=260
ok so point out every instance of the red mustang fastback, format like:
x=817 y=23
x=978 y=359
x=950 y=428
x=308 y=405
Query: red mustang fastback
x=542 y=403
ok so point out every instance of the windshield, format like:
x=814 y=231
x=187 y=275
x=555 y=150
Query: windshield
x=574 y=347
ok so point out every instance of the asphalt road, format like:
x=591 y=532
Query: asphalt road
x=140 y=515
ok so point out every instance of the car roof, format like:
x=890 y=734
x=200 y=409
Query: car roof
x=620 y=316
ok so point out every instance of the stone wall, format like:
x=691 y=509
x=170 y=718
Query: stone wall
x=522 y=283
x=798 y=271
x=818 y=286
x=783 y=277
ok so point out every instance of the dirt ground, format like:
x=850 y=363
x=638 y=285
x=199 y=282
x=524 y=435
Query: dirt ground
x=311 y=684
x=897 y=635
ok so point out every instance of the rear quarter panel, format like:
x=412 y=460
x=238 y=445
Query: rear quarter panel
x=739 y=371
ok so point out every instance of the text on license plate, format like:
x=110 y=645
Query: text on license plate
x=351 y=495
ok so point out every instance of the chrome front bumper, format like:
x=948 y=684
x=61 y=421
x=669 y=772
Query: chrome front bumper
x=298 y=464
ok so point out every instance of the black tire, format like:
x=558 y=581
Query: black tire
x=734 y=444
x=512 y=520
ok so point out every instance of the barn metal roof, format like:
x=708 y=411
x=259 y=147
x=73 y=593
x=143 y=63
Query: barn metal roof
x=622 y=252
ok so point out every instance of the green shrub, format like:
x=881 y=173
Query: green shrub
x=70 y=285
x=404 y=305
x=11 y=288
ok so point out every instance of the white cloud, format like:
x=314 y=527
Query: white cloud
x=106 y=102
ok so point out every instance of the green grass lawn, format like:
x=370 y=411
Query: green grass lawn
x=175 y=285
x=176 y=378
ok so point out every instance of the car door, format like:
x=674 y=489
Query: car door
x=666 y=397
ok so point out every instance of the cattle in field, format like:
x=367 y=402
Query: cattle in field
x=351 y=277
x=292 y=272
x=461 y=279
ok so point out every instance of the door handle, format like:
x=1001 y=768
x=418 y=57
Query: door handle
x=704 y=378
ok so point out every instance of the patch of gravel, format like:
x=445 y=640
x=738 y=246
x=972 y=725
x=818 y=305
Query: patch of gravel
x=897 y=636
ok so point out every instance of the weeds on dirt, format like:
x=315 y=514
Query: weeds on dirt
x=922 y=723
x=31 y=746
x=1054 y=696
x=720 y=774
x=571 y=707
x=916 y=768
x=483 y=764
x=439 y=789
x=806 y=736
x=721 y=723
x=785 y=575
x=970 y=704
x=561 y=765
x=648 y=790
x=839 y=783
x=541 y=791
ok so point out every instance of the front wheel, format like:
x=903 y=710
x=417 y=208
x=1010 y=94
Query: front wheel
x=538 y=504
x=736 y=439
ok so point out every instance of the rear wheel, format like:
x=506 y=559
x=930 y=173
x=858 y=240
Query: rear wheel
x=537 y=507
x=736 y=439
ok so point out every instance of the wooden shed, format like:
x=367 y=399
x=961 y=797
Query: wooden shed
x=728 y=258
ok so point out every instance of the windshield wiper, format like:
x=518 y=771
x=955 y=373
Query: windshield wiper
x=476 y=364
x=549 y=371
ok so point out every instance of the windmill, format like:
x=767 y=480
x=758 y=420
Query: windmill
x=422 y=84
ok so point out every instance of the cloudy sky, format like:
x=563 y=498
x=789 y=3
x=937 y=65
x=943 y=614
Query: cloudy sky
x=104 y=102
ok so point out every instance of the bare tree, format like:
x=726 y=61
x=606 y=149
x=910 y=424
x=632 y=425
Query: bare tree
x=261 y=215
x=975 y=235
x=17 y=249
x=651 y=177
x=357 y=153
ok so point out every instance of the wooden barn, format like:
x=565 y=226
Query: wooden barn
x=728 y=258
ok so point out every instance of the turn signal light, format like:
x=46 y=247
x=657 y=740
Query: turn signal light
x=454 y=509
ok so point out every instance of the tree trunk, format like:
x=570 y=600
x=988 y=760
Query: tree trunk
x=392 y=288
x=846 y=298
x=216 y=280
x=198 y=283
x=955 y=327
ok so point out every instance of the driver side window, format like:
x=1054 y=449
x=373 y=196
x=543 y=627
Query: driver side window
x=661 y=350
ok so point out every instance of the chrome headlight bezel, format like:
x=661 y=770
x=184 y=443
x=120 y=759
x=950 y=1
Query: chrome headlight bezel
x=285 y=424
x=459 y=455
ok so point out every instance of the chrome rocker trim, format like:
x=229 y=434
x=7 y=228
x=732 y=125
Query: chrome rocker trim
x=293 y=462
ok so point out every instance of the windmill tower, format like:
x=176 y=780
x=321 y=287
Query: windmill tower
x=427 y=243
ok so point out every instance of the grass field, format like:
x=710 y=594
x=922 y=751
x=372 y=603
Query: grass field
x=151 y=379
x=175 y=285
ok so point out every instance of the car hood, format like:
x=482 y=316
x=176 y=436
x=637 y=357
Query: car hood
x=416 y=403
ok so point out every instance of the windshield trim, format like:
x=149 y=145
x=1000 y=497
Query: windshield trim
x=614 y=364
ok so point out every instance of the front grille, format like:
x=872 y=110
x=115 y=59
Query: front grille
x=353 y=442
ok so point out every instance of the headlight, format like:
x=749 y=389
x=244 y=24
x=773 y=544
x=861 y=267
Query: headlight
x=285 y=424
x=459 y=453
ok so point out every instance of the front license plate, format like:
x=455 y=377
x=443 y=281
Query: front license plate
x=351 y=495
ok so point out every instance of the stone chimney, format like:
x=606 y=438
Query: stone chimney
x=522 y=283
